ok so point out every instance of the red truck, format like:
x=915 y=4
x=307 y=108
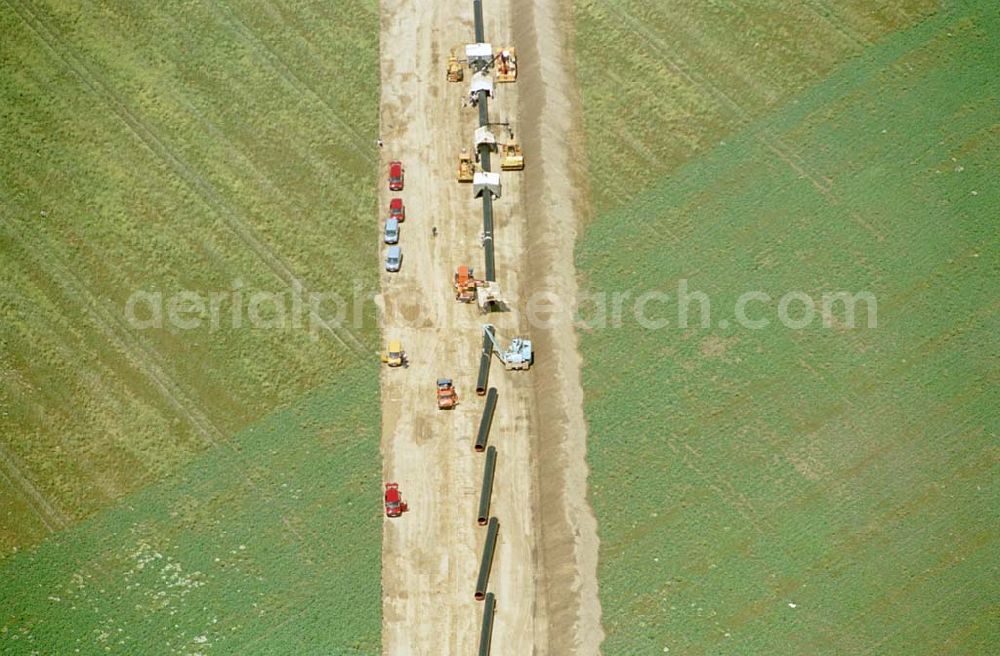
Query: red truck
x=395 y=175
x=394 y=506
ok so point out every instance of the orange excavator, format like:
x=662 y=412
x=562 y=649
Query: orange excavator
x=485 y=293
x=466 y=284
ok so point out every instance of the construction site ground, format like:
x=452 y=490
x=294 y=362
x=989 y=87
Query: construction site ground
x=544 y=571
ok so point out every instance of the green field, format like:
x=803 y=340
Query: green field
x=206 y=147
x=779 y=491
x=270 y=547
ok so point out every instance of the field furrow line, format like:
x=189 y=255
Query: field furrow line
x=736 y=111
x=194 y=180
x=145 y=359
x=795 y=162
x=837 y=22
x=303 y=88
x=822 y=183
x=52 y=518
x=676 y=64
x=115 y=329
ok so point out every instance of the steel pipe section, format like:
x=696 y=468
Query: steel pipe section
x=486 y=633
x=484 y=109
x=484 y=567
x=477 y=10
x=484 y=163
x=484 y=495
x=486 y=421
x=484 y=374
x=490 y=261
x=484 y=365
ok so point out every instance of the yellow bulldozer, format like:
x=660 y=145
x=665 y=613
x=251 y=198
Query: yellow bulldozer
x=511 y=156
x=466 y=169
x=394 y=355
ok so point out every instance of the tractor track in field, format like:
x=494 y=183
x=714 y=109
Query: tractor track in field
x=52 y=518
x=197 y=183
x=832 y=18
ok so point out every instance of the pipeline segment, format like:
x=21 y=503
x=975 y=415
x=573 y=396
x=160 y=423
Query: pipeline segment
x=486 y=633
x=491 y=274
x=484 y=374
x=484 y=364
x=484 y=162
x=484 y=567
x=486 y=421
x=484 y=109
x=484 y=495
x=477 y=10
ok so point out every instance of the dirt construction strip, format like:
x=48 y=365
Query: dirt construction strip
x=544 y=571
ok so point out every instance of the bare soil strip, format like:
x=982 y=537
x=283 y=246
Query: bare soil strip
x=555 y=207
x=544 y=571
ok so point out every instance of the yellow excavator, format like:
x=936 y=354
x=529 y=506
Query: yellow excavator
x=455 y=71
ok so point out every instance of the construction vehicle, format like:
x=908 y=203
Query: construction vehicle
x=446 y=395
x=519 y=355
x=468 y=288
x=394 y=505
x=455 y=71
x=506 y=63
x=465 y=284
x=466 y=169
x=393 y=355
x=488 y=295
x=511 y=156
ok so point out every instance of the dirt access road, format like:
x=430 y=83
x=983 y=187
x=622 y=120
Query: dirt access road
x=544 y=571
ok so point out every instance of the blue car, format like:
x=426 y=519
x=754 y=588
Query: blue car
x=391 y=235
x=393 y=259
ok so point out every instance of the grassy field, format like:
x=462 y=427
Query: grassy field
x=208 y=147
x=662 y=82
x=268 y=547
x=814 y=491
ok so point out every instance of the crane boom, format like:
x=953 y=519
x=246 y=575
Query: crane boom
x=489 y=330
